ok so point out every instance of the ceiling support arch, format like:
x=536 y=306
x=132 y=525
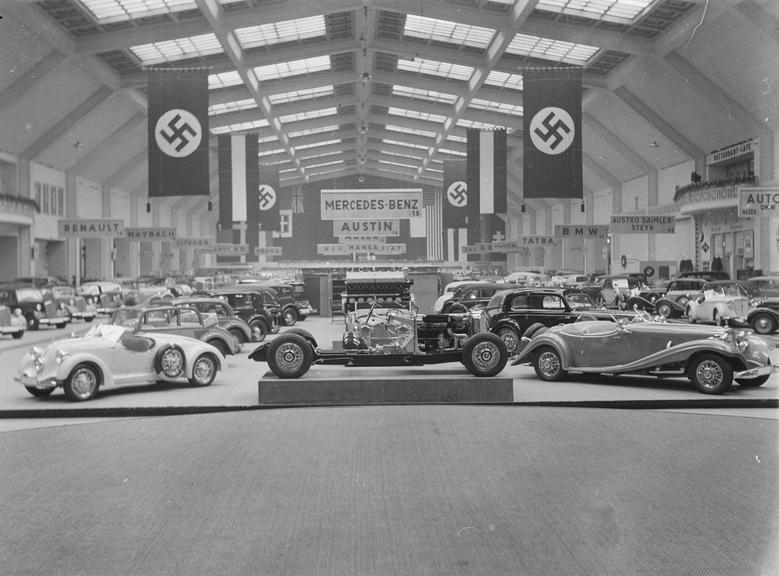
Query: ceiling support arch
x=105 y=145
x=32 y=77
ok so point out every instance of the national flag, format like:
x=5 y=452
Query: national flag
x=487 y=180
x=178 y=132
x=553 y=133
x=433 y=207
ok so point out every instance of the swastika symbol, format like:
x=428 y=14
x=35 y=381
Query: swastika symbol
x=267 y=196
x=552 y=130
x=457 y=194
x=178 y=133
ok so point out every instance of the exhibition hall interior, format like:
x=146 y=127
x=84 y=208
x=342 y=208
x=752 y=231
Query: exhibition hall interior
x=298 y=287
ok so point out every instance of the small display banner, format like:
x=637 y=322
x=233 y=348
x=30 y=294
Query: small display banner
x=362 y=239
x=642 y=224
x=581 y=231
x=90 y=228
x=478 y=248
x=761 y=201
x=150 y=234
x=196 y=242
x=267 y=251
x=230 y=249
x=372 y=247
x=366 y=227
x=371 y=204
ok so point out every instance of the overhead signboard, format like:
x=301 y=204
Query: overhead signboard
x=366 y=227
x=226 y=249
x=372 y=247
x=150 y=234
x=478 y=248
x=642 y=224
x=362 y=239
x=581 y=230
x=267 y=251
x=198 y=242
x=761 y=201
x=507 y=246
x=90 y=228
x=375 y=204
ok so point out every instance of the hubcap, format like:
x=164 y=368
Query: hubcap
x=171 y=363
x=486 y=355
x=83 y=383
x=549 y=364
x=763 y=325
x=509 y=339
x=709 y=374
x=203 y=369
x=664 y=311
x=289 y=357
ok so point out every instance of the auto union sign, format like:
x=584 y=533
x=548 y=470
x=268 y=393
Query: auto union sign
x=760 y=201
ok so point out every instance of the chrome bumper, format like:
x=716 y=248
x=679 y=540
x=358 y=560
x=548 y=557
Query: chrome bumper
x=756 y=372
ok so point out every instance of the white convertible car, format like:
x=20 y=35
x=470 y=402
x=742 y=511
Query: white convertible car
x=719 y=302
x=109 y=356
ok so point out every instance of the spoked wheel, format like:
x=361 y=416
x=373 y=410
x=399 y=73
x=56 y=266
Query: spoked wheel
x=82 y=383
x=290 y=316
x=711 y=374
x=171 y=361
x=485 y=354
x=510 y=339
x=203 y=370
x=290 y=356
x=548 y=364
x=763 y=324
x=664 y=310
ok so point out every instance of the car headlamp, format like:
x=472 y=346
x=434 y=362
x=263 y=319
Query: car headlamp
x=742 y=340
x=60 y=356
x=36 y=355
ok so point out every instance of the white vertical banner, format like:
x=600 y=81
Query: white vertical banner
x=417 y=224
x=486 y=172
x=238 y=168
x=462 y=240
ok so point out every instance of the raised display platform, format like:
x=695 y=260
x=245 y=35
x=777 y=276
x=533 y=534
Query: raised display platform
x=335 y=385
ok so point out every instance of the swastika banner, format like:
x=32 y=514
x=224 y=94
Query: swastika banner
x=178 y=132
x=553 y=133
x=266 y=200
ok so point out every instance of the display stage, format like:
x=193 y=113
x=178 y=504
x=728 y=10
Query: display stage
x=336 y=385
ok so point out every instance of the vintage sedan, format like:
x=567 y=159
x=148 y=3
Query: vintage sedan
x=764 y=316
x=29 y=301
x=109 y=356
x=673 y=304
x=512 y=312
x=391 y=337
x=180 y=320
x=225 y=316
x=720 y=302
x=12 y=323
x=74 y=305
x=712 y=357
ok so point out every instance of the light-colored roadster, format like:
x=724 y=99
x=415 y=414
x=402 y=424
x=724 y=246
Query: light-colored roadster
x=109 y=356
x=710 y=356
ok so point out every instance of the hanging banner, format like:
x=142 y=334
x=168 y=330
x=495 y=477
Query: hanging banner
x=552 y=160
x=366 y=227
x=581 y=230
x=487 y=179
x=371 y=204
x=178 y=132
x=454 y=209
x=646 y=224
x=150 y=234
x=373 y=248
x=265 y=199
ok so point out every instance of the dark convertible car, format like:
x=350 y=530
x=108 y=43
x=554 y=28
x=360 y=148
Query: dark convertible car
x=512 y=312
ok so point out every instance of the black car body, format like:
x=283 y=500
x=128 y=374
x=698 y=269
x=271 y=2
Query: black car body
x=764 y=317
x=512 y=312
x=257 y=306
x=293 y=306
x=225 y=315
x=709 y=275
x=65 y=297
x=467 y=296
x=679 y=292
x=29 y=300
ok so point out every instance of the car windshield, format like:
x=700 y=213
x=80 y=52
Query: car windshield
x=28 y=295
x=63 y=291
x=107 y=331
x=579 y=300
x=126 y=317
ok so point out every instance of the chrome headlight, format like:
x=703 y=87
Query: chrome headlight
x=742 y=340
x=36 y=355
x=727 y=336
x=60 y=356
x=37 y=307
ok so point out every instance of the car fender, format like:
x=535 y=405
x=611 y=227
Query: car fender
x=70 y=361
x=763 y=310
x=510 y=322
x=548 y=338
x=305 y=334
x=190 y=354
x=231 y=324
x=671 y=302
x=260 y=354
x=682 y=353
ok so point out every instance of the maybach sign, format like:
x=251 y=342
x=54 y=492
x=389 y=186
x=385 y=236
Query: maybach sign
x=150 y=234
x=90 y=228
x=642 y=224
x=757 y=201
x=366 y=227
x=373 y=248
x=371 y=204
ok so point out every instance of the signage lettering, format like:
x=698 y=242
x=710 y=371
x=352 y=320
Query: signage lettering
x=150 y=234
x=91 y=228
x=581 y=231
x=642 y=224
x=757 y=201
x=371 y=204
x=366 y=227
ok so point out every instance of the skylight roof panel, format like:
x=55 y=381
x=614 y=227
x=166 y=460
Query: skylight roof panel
x=224 y=80
x=455 y=138
x=308 y=115
x=416 y=114
x=278 y=32
x=393 y=163
x=406 y=144
x=316 y=144
x=505 y=80
x=177 y=49
x=548 y=49
x=240 y=127
x=106 y=11
x=231 y=106
x=621 y=11
x=270 y=152
x=331 y=128
x=292 y=68
x=445 y=31
x=265 y=139
x=323 y=164
x=420 y=94
x=303 y=94
x=435 y=68
x=451 y=152
x=491 y=106
x=403 y=129
x=464 y=123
